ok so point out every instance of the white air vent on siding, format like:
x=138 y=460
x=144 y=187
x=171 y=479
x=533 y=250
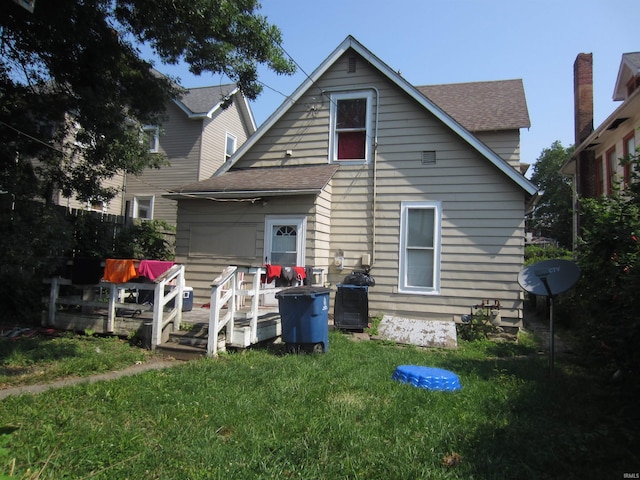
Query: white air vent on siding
x=351 y=68
x=428 y=158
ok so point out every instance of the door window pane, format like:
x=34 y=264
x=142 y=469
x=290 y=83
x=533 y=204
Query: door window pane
x=283 y=250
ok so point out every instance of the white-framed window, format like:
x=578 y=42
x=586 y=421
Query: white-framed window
x=150 y=136
x=350 y=127
x=230 y=146
x=143 y=207
x=97 y=206
x=420 y=238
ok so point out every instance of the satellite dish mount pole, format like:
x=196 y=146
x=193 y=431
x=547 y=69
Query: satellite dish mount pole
x=551 y=321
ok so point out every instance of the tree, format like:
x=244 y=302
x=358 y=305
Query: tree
x=607 y=298
x=552 y=216
x=74 y=90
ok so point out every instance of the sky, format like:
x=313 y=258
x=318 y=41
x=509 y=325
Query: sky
x=452 y=41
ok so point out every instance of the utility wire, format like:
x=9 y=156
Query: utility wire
x=31 y=137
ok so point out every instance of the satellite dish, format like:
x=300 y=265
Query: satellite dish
x=549 y=277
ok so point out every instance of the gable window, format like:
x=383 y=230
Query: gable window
x=230 y=146
x=628 y=148
x=350 y=126
x=143 y=207
x=419 y=270
x=150 y=136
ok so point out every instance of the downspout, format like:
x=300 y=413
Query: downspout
x=374 y=210
x=375 y=156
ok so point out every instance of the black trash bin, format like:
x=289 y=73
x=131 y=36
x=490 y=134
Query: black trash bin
x=305 y=318
x=351 y=307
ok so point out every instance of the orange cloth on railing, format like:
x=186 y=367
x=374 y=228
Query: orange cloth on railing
x=119 y=271
x=152 y=269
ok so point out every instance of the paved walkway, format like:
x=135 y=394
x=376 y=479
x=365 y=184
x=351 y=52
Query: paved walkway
x=154 y=364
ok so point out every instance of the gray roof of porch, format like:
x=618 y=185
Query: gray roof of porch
x=260 y=182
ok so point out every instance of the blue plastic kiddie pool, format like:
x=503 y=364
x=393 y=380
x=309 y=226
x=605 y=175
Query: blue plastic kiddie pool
x=427 y=377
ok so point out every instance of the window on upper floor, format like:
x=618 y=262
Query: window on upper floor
x=598 y=180
x=151 y=137
x=143 y=207
x=420 y=247
x=230 y=146
x=628 y=148
x=612 y=170
x=350 y=127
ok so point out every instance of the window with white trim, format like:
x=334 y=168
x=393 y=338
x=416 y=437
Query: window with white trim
x=420 y=234
x=230 y=146
x=97 y=206
x=350 y=126
x=143 y=207
x=150 y=136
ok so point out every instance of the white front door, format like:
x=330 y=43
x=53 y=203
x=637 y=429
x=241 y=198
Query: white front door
x=284 y=242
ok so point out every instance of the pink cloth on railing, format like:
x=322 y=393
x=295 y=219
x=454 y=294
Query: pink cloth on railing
x=152 y=269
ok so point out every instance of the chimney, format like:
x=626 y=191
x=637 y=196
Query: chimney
x=583 y=96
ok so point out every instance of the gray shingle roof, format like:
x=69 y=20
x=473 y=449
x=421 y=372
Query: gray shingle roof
x=202 y=99
x=482 y=106
x=258 y=181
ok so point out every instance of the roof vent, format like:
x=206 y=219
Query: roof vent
x=351 y=68
x=428 y=157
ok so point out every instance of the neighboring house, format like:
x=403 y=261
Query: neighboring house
x=201 y=131
x=359 y=168
x=595 y=163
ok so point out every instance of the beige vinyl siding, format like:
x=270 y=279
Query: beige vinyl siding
x=214 y=137
x=505 y=143
x=482 y=210
x=481 y=254
x=179 y=142
x=113 y=207
x=224 y=223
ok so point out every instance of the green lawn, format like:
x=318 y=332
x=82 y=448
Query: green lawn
x=262 y=414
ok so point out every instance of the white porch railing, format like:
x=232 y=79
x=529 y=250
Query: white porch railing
x=227 y=298
x=167 y=287
x=223 y=293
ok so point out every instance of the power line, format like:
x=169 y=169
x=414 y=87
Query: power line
x=31 y=137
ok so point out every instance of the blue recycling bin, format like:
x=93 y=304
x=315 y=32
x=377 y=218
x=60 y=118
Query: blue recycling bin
x=304 y=312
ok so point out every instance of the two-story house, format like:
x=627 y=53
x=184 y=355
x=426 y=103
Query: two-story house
x=359 y=168
x=203 y=128
x=595 y=163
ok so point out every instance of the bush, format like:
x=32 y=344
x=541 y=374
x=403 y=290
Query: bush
x=536 y=253
x=36 y=236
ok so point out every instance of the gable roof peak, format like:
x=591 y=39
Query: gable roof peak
x=350 y=42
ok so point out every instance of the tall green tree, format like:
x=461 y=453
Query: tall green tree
x=552 y=216
x=75 y=89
